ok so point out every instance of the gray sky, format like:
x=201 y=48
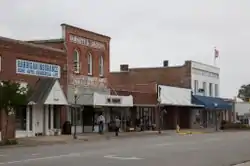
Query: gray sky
x=144 y=33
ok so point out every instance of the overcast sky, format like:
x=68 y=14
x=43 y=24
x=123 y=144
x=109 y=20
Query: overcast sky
x=146 y=32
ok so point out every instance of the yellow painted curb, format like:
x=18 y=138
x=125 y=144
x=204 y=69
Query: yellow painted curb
x=190 y=132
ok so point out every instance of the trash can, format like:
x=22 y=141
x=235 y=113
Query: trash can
x=67 y=128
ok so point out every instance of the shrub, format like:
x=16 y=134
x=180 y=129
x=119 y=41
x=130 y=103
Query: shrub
x=237 y=126
x=9 y=142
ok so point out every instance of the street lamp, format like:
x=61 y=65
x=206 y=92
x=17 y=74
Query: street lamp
x=216 y=116
x=75 y=102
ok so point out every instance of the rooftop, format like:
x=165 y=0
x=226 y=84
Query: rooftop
x=86 y=31
x=29 y=44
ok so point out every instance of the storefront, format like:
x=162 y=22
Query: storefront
x=214 y=109
x=175 y=107
x=114 y=106
x=42 y=115
x=93 y=97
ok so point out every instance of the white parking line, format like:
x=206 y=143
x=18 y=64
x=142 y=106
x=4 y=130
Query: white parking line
x=122 y=158
x=165 y=144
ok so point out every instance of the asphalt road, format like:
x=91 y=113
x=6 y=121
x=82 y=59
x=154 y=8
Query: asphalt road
x=217 y=149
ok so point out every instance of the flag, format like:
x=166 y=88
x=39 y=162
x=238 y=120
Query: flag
x=216 y=53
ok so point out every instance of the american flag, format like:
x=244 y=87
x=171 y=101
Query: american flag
x=216 y=53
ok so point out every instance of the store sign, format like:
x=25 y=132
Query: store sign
x=114 y=100
x=86 y=42
x=37 y=69
x=90 y=82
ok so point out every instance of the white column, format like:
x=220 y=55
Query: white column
x=33 y=120
x=52 y=117
x=46 y=115
x=27 y=120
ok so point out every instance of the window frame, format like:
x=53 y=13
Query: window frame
x=101 y=66
x=90 y=63
x=76 y=61
x=210 y=89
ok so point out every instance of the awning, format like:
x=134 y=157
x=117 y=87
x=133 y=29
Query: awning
x=174 y=96
x=211 y=102
x=112 y=100
x=48 y=91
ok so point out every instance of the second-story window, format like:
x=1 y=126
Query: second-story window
x=90 y=64
x=76 y=58
x=204 y=88
x=196 y=86
x=210 y=89
x=216 y=90
x=101 y=66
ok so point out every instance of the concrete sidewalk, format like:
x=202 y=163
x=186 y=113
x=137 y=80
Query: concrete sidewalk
x=89 y=137
x=86 y=137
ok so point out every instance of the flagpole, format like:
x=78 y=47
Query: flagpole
x=214 y=61
x=216 y=55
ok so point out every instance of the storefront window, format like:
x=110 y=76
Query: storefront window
x=21 y=118
x=145 y=118
x=76 y=114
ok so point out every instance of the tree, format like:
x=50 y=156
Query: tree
x=244 y=92
x=12 y=95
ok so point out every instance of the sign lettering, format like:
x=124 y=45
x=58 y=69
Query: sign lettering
x=86 y=81
x=86 y=42
x=37 y=69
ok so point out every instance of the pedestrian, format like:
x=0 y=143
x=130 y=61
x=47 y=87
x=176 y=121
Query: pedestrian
x=101 y=122
x=117 y=125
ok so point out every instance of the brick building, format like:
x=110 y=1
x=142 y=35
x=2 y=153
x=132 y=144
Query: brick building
x=31 y=64
x=88 y=66
x=148 y=80
x=177 y=92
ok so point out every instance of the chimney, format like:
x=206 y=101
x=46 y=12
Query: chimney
x=124 y=67
x=165 y=63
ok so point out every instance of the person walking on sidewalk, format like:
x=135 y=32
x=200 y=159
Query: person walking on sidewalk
x=101 y=122
x=117 y=125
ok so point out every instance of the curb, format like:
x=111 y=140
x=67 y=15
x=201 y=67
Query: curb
x=112 y=137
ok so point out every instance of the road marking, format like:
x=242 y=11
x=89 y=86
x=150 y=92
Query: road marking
x=35 y=154
x=2 y=155
x=165 y=144
x=40 y=158
x=122 y=158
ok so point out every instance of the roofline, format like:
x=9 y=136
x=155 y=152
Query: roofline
x=133 y=91
x=59 y=40
x=31 y=44
x=146 y=68
x=64 y=24
x=160 y=67
x=204 y=64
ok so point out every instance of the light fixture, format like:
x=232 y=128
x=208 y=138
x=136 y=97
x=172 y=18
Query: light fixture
x=75 y=91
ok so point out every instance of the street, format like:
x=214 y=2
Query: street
x=215 y=149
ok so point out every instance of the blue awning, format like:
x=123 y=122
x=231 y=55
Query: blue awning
x=211 y=102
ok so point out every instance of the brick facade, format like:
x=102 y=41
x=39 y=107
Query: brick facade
x=179 y=76
x=65 y=44
x=84 y=50
x=145 y=80
x=10 y=50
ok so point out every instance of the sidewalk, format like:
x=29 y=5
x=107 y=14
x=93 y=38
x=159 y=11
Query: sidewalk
x=86 y=137
x=90 y=137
